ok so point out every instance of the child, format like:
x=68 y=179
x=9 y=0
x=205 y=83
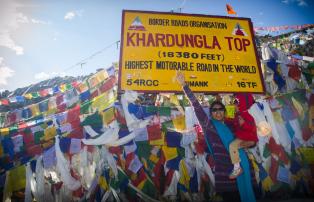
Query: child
x=244 y=129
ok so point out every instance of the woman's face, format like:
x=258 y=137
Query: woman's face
x=218 y=112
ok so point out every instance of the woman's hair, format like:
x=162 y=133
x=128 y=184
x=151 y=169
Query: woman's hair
x=216 y=103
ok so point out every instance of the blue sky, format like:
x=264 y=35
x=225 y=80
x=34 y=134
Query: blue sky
x=42 y=39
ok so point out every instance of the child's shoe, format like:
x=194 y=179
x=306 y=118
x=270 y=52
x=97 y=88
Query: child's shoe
x=235 y=173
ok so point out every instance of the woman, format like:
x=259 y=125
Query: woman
x=218 y=137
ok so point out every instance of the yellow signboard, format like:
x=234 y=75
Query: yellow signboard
x=216 y=54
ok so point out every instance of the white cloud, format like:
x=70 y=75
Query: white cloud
x=299 y=2
x=10 y=20
x=72 y=14
x=35 y=21
x=43 y=75
x=5 y=72
x=7 y=41
x=61 y=74
x=302 y=3
x=69 y=15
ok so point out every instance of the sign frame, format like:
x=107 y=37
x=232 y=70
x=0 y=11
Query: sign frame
x=120 y=90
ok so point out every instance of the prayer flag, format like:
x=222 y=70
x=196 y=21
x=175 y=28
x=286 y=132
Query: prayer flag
x=230 y=10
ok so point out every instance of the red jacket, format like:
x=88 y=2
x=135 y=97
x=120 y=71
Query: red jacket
x=247 y=131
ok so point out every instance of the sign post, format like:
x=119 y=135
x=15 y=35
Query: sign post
x=216 y=53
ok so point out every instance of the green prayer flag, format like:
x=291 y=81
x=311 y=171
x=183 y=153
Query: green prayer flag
x=167 y=124
x=164 y=111
x=266 y=152
x=37 y=136
x=121 y=181
x=13 y=129
x=68 y=86
x=181 y=152
x=143 y=149
x=149 y=189
x=94 y=120
x=86 y=107
x=35 y=94
x=151 y=109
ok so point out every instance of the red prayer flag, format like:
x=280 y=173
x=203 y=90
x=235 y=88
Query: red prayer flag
x=154 y=132
x=76 y=133
x=273 y=170
x=5 y=102
x=141 y=176
x=34 y=150
x=44 y=93
x=94 y=94
x=108 y=84
x=128 y=159
x=59 y=99
x=28 y=139
x=74 y=114
x=230 y=10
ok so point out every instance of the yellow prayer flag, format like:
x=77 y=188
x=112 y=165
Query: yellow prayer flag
x=277 y=117
x=50 y=133
x=103 y=101
x=82 y=87
x=28 y=96
x=97 y=102
x=50 y=111
x=4 y=131
x=35 y=110
x=103 y=183
x=141 y=184
x=184 y=177
x=179 y=123
x=230 y=111
x=143 y=160
x=153 y=158
x=62 y=87
x=17 y=179
x=102 y=75
x=97 y=78
x=174 y=100
x=93 y=82
x=308 y=154
x=48 y=143
x=108 y=116
x=255 y=166
x=298 y=107
x=169 y=152
x=267 y=183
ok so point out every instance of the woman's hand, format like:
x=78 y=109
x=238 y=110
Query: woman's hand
x=241 y=120
x=247 y=144
x=180 y=78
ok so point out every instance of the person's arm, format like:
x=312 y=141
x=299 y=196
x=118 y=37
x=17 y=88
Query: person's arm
x=198 y=109
x=248 y=127
x=247 y=123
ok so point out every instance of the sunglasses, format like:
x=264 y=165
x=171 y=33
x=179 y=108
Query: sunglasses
x=218 y=109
